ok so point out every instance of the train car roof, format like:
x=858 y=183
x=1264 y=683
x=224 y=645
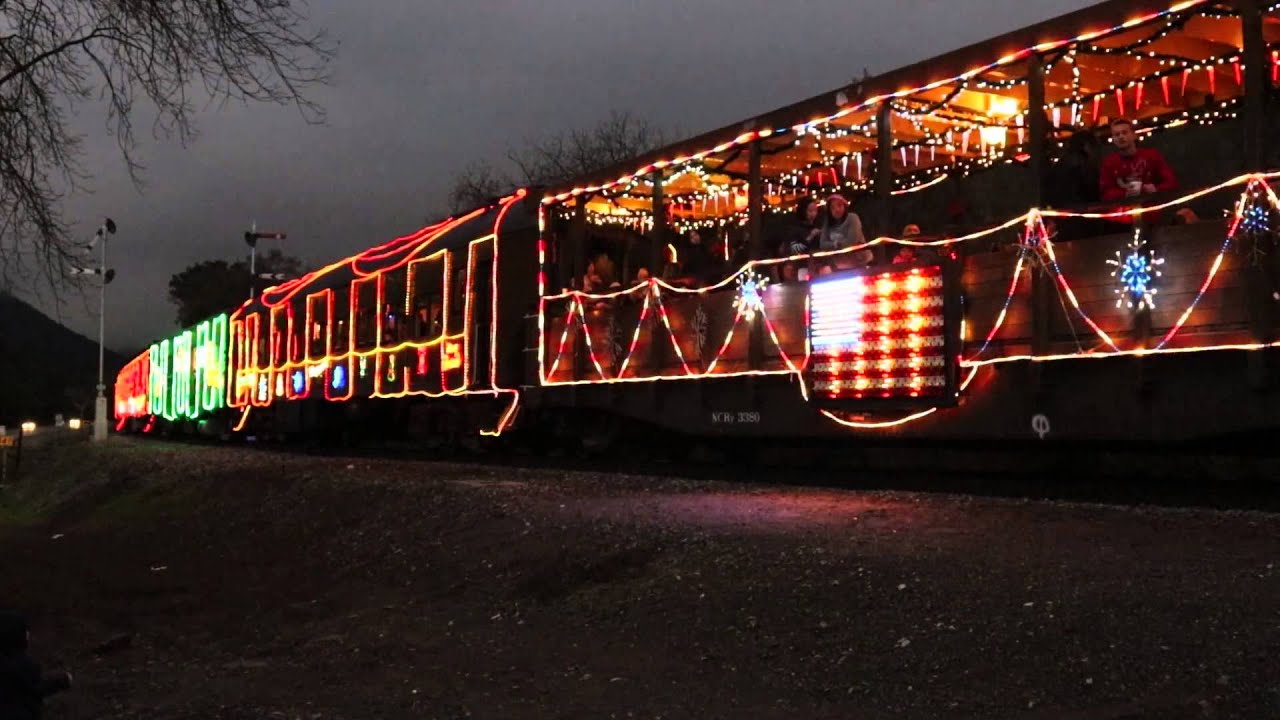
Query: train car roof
x=453 y=234
x=1089 y=23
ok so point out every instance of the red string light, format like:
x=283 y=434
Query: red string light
x=132 y=388
x=338 y=361
x=1033 y=221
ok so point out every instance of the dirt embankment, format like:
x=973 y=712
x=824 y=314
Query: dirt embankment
x=187 y=582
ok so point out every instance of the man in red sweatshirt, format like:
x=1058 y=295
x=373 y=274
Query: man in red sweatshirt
x=1133 y=171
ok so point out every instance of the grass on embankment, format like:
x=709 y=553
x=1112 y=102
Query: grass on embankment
x=87 y=483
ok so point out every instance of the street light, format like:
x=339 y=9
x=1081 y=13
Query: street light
x=100 y=403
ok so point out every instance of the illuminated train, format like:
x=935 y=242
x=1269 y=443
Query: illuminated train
x=417 y=317
x=1124 y=322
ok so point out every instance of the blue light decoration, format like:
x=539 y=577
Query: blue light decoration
x=1136 y=268
x=299 y=382
x=750 y=299
x=339 y=377
x=1256 y=219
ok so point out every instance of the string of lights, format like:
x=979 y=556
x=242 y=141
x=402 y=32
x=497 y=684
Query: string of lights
x=1069 y=51
x=1035 y=239
x=329 y=353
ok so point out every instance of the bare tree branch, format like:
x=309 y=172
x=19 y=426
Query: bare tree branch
x=556 y=158
x=58 y=54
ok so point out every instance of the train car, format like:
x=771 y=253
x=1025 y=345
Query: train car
x=1024 y=303
x=1029 y=308
x=359 y=346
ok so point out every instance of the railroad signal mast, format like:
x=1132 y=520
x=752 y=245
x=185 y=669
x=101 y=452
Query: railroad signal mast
x=251 y=239
x=107 y=274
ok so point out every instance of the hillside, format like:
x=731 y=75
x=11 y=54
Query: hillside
x=45 y=368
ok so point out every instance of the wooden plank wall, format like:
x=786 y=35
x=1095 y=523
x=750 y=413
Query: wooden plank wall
x=1189 y=252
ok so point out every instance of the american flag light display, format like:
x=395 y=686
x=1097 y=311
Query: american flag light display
x=879 y=335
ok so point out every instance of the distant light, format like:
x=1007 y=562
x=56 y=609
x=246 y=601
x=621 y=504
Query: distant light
x=992 y=135
x=74 y=423
x=29 y=426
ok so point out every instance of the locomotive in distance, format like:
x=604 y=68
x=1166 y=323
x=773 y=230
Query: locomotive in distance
x=692 y=290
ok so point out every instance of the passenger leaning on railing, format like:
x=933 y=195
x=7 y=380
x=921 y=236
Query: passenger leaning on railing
x=841 y=229
x=804 y=232
x=1131 y=171
x=908 y=253
x=800 y=238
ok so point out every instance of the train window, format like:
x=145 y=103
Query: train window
x=457 y=292
x=341 y=322
x=318 y=312
x=297 y=332
x=279 y=334
x=261 y=341
x=425 y=297
x=393 y=303
x=366 y=311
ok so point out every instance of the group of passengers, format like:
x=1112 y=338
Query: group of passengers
x=823 y=226
x=827 y=225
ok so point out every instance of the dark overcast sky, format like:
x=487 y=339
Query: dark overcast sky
x=422 y=87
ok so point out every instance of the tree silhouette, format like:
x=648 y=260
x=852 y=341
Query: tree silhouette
x=56 y=55
x=212 y=287
x=555 y=158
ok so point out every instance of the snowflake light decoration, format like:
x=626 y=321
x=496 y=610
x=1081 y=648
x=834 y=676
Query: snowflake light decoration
x=1137 y=267
x=750 y=300
x=1256 y=218
x=1253 y=221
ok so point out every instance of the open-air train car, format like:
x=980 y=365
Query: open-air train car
x=1048 y=313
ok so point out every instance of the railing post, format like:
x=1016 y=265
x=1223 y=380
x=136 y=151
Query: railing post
x=1254 y=116
x=755 y=228
x=1257 y=74
x=573 y=257
x=576 y=261
x=755 y=203
x=884 y=169
x=1041 y=282
x=658 y=246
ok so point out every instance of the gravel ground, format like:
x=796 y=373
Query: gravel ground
x=198 y=582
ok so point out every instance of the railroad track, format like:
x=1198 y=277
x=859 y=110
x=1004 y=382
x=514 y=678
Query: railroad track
x=1122 y=476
